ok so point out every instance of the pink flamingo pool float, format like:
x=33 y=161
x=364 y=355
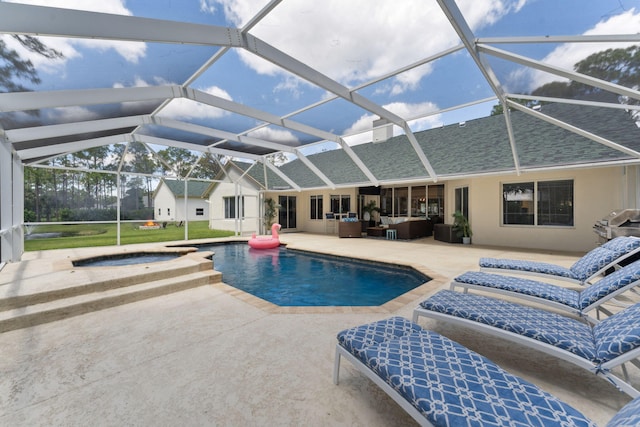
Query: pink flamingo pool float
x=266 y=242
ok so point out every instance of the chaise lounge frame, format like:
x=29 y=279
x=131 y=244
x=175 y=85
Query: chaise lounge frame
x=455 y=301
x=576 y=302
x=592 y=265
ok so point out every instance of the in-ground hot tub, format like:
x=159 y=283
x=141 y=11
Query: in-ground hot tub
x=129 y=258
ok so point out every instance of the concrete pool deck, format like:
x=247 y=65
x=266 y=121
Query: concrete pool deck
x=212 y=355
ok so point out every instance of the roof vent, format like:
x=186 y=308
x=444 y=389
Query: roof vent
x=462 y=124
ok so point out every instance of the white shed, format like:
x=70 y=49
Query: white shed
x=169 y=200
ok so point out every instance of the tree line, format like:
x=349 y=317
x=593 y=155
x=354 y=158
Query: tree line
x=83 y=186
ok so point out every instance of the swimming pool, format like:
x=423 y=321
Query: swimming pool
x=288 y=277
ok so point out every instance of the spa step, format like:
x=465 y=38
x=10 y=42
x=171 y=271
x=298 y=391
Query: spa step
x=63 y=308
x=71 y=282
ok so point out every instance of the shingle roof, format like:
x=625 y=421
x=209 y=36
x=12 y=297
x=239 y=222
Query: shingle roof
x=257 y=173
x=481 y=146
x=194 y=188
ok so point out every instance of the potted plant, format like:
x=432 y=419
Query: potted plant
x=368 y=210
x=462 y=227
x=270 y=212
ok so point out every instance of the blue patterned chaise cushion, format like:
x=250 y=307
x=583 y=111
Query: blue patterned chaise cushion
x=594 y=261
x=629 y=416
x=577 y=300
x=544 y=326
x=449 y=384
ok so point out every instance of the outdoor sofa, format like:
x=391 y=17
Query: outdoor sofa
x=412 y=228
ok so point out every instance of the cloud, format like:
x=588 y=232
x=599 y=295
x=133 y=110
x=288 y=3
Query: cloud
x=69 y=114
x=208 y=6
x=352 y=47
x=361 y=129
x=186 y=109
x=274 y=135
x=71 y=48
x=567 y=55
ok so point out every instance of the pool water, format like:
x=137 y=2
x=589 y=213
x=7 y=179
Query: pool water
x=287 y=277
x=125 y=259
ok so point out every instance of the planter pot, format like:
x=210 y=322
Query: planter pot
x=466 y=240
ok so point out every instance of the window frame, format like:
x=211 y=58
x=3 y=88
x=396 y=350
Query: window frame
x=230 y=208
x=316 y=207
x=537 y=204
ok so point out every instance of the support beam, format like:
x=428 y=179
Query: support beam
x=72 y=147
x=22 y=101
x=65 y=129
x=571 y=75
x=574 y=129
x=55 y=22
x=281 y=174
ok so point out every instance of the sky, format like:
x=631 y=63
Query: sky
x=352 y=42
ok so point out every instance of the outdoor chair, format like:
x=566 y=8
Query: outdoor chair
x=442 y=383
x=554 y=296
x=597 y=348
x=593 y=264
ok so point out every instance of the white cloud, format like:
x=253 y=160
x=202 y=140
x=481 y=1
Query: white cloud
x=69 y=114
x=208 y=6
x=339 y=40
x=567 y=55
x=274 y=135
x=183 y=108
x=71 y=48
x=362 y=127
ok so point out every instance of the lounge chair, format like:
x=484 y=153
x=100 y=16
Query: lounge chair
x=554 y=296
x=583 y=271
x=597 y=348
x=441 y=383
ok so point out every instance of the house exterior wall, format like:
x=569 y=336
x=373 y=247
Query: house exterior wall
x=242 y=226
x=164 y=204
x=597 y=192
x=303 y=208
x=168 y=208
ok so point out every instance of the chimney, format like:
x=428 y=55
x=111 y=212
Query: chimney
x=382 y=130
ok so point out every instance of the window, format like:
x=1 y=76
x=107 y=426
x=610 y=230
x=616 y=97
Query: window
x=400 y=201
x=169 y=211
x=538 y=203
x=316 y=207
x=555 y=203
x=340 y=204
x=230 y=208
x=386 y=202
x=159 y=212
x=462 y=201
x=199 y=211
x=435 y=202
x=418 y=201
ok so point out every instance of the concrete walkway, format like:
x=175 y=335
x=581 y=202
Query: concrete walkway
x=214 y=356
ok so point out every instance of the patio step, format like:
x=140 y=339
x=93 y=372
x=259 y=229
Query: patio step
x=65 y=307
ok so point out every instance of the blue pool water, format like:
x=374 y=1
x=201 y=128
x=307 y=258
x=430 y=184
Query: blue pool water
x=125 y=259
x=293 y=278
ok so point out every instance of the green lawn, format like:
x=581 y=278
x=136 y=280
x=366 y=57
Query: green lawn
x=85 y=235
